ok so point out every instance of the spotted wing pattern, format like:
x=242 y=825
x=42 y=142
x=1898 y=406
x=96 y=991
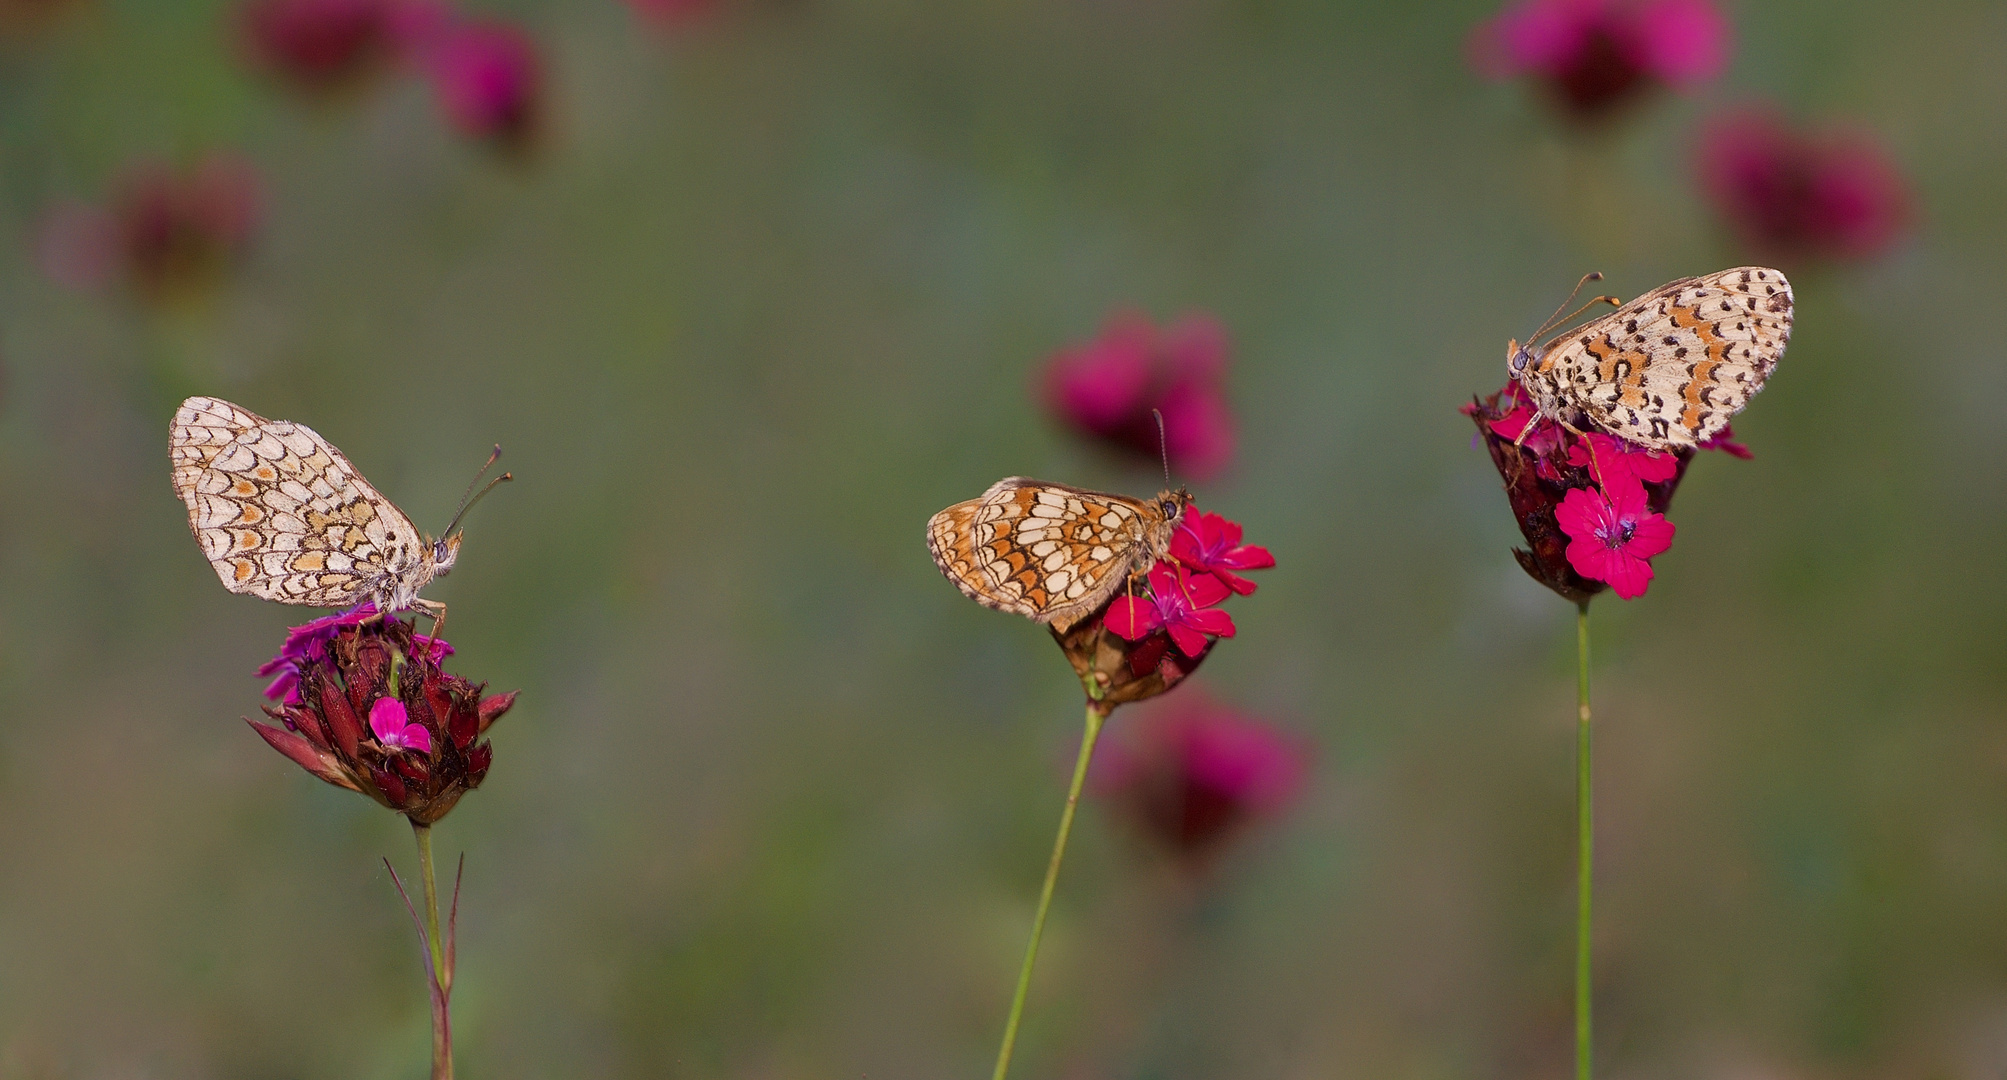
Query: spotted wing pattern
x=1049 y=552
x=282 y=515
x=1670 y=368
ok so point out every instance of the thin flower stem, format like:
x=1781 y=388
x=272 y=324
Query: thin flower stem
x=1095 y=716
x=442 y=1035
x=1585 y=851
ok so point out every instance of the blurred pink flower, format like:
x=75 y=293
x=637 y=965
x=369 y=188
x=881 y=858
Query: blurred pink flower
x=1210 y=544
x=1596 y=54
x=1792 y=194
x=168 y=232
x=1193 y=774
x=316 y=43
x=1612 y=535
x=1183 y=606
x=1107 y=387
x=487 y=77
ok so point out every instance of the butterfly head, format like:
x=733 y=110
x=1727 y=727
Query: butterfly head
x=1172 y=503
x=444 y=551
x=1517 y=358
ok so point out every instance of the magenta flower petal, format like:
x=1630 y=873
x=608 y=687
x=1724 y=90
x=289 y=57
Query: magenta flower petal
x=388 y=718
x=1132 y=618
x=1210 y=544
x=1684 y=42
x=1611 y=536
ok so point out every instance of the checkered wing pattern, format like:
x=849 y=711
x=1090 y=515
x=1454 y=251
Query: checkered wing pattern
x=1670 y=368
x=1049 y=552
x=282 y=515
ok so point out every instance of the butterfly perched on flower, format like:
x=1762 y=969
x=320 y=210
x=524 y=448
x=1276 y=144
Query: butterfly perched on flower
x=1049 y=552
x=1669 y=368
x=281 y=514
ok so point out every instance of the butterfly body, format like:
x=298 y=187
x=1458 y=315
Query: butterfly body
x=1050 y=552
x=1668 y=369
x=282 y=515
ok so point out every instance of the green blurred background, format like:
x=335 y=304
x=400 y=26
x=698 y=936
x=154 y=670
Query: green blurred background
x=775 y=800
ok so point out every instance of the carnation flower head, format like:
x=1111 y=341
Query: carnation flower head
x=364 y=704
x=1788 y=194
x=1192 y=775
x=317 y=45
x=1112 y=388
x=173 y=234
x=1591 y=506
x=1596 y=55
x=486 y=73
x=1155 y=632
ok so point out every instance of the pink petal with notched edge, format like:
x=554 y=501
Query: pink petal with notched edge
x=1132 y=618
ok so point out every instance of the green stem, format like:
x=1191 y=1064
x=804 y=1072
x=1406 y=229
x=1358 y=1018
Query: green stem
x=1585 y=850
x=1095 y=717
x=442 y=1037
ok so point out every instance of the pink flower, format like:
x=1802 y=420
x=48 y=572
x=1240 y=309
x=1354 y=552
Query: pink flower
x=1179 y=604
x=1194 y=774
x=1107 y=388
x=1791 y=194
x=488 y=79
x=170 y=233
x=1596 y=54
x=392 y=724
x=1615 y=463
x=1612 y=534
x=1210 y=544
x=316 y=43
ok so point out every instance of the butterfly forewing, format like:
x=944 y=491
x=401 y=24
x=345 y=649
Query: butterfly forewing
x=282 y=515
x=1049 y=552
x=1670 y=368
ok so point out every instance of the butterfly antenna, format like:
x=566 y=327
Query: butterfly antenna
x=1556 y=319
x=468 y=499
x=1163 y=445
x=1610 y=300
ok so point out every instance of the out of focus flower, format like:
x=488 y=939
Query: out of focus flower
x=1194 y=774
x=1788 y=194
x=1612 y=535
x=170 y=233
x=1107 y=388
x=1591 y=507
x=419 y=752
x=317 y=44
x=488 y=79
x=1594 y=55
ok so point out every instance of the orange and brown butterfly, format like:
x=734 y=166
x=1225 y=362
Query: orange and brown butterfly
x=1050 y=552
x=1668 y=369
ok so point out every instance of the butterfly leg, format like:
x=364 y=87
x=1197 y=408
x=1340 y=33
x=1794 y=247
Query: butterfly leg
x=435 y=611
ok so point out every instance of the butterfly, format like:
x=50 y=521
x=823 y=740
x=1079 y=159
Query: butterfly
x=281 y=514
x=1669 y=368
x=1049 y=552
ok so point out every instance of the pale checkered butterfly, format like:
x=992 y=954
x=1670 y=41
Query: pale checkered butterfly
x=1049 y=552
x=1667 y=369
x=281 y=514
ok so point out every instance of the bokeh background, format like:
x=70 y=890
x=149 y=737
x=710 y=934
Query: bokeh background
x=770 y=283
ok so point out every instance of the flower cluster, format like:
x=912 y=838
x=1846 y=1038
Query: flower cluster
x=170 y=233
x=366 y=706
x=1109 y=387
x=1594 y=55
x=1592 y=507
x=1193 y=775
x=486 y=73
x=1789 y=194
x=1142 y=645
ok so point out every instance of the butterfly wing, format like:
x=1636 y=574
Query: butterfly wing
x=1049 y=552
x=1670 y=368
x=281 y=514
x=202 y=427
